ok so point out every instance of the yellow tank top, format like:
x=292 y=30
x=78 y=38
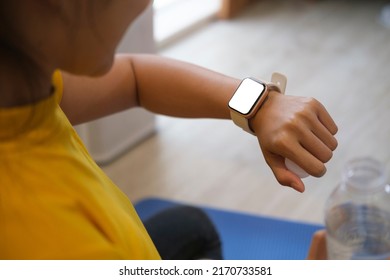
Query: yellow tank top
x=55 y=202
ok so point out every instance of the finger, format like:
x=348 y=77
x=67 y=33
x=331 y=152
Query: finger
x=324 y=135
x=317 y=250
x=307 y=161
x=326 y=119
x=284 y=176
x=315 y=146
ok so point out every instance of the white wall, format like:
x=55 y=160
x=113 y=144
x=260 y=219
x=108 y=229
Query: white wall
x=109 y=137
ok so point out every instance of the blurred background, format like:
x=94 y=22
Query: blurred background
x=337 y=51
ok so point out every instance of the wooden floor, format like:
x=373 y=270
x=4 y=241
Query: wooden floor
x=336 y=51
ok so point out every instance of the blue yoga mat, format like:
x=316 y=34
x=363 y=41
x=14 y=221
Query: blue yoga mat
x=248 y=237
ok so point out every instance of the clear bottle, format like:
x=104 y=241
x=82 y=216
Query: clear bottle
x=357 y=215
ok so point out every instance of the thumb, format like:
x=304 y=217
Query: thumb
x=284 y=176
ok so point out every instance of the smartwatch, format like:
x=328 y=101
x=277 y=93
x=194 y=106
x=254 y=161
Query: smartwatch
x=250 y=95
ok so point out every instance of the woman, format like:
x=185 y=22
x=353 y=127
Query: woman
x=55 y=202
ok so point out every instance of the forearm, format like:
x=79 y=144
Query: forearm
x=161 y=85
x=297 y=128
x=180 y=89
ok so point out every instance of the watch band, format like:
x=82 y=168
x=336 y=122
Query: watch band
x=278 y=84
x=240 y=121
x=280 y=81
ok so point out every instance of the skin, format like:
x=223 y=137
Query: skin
x=317 y=249
x=80 y=36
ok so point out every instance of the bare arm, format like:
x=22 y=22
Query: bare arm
x=298 y=128
x=161 y=85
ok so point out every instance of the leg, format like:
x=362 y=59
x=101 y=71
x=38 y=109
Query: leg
x=185 y=233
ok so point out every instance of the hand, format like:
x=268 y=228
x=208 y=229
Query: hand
x=298 y=128
x=317 y=250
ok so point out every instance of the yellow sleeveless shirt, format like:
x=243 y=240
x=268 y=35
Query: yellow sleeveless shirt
x=55 y=202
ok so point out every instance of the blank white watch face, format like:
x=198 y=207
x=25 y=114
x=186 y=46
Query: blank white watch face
x=246 y=96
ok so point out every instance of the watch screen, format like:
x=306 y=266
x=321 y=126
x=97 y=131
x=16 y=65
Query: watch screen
x=246 y=96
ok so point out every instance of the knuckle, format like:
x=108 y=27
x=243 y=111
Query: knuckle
x=312 y=102
x=283 y=180
x=302 y=116
x=281 y=141
x=294 y=125
x=311 y=105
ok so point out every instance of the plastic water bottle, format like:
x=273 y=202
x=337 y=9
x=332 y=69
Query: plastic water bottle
x=357 y=215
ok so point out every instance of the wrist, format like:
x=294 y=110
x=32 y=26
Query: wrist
x=257 y=120
x=250 y=96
